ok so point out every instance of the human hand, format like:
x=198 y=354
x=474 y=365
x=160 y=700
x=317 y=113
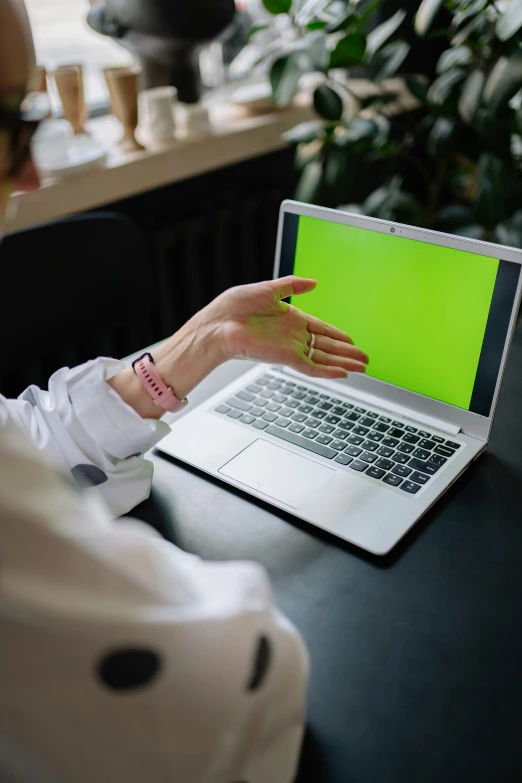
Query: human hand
x=256 y=324
x=246 y=322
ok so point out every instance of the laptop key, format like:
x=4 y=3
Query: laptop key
x=424 y=434
x=306 y=408
x=395 y=432
x=282 y=422
x=401 y=470
x=351 y=416
x=313 y=423
x=355 y=440
x=375 y=472
x=366 y=421
x=340 y=434
x=367 y=457
x=451 y=444
x=326 y=428
x=310 y=434
x=246 y=418
x=409 y=486
x=353 y=451
x=421 y=454
x=299 y=417
x=338 y=445
x=380 y=427
x=292 y=403
x=286 y=412
x=260 y=424
x=331 y=419
x=390 y=442
x=436 y=459
x=385 y=419
x=274 y=385
x=325 y=406
x=370 y=445
x=298 y=395
x=385 y=451
x=392 y=480
x=239 y=404
x=261 y=402
x=257 y=411
x=406 y=448
x=438 y=439
x=419 y=478
x=427 y=444
x=360 y=430
x=335 y=401
x=234 y=414
x=410 y=429
x=343 y=459
x=376 y=436
x=385 y=464
x=311 y=400
x=296 y=427
x=372 y=415
x=444 y=451
x=269 y=416
x=346 y=425
x=305 y=443
x=267 y=393
x=338 y=411
x=319 y=414
x=423 y=467
x=222 y=409
x=243 y=395
x=273 y=407
x=397 y=424
x=324 y=396
x=402 y=459
x=409 y=438
x=324 y=439
x=358 y=465
x=361 y=410
x=253 y=388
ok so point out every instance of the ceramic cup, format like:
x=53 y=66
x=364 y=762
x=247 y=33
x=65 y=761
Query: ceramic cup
x=157 y=112
x=195 y=119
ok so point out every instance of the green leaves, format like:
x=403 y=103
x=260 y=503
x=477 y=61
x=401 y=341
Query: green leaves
x=284 y=80
x=504 y=81
x=277 y=6
x=440 y=140
x=349 y=51
x=510 y=21
x=304 y=132
x=426 y=14
x=387 y=61
x=417 y=87
x=328 y=103
x=458 y=55
x=443 y=87
x=471 y=95
x=309 y=182
x=380 y=34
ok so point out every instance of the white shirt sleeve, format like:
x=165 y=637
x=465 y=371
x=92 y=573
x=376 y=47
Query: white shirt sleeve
x=122 y=657
x=90 y=433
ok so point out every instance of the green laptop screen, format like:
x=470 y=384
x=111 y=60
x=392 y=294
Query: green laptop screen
x=432 y=319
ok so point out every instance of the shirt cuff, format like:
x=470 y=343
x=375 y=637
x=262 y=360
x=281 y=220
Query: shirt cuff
x=111 y=423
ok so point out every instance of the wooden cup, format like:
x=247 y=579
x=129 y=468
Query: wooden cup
x=69 y=83
x=123 y=90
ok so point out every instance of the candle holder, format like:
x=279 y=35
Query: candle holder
x=123 y=90
x=69 y=83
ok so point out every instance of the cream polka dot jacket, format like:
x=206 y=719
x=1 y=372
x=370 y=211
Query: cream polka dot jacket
x=122 y=658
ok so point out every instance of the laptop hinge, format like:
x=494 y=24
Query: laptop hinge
x=385 y=405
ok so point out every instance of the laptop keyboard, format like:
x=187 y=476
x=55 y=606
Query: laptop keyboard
x=356 y=438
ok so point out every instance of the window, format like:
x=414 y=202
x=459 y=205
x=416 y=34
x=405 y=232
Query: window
x=62 y=36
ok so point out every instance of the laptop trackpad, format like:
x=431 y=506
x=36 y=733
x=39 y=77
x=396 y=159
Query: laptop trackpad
x=278 y=473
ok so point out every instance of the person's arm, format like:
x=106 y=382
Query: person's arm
x=123 y=658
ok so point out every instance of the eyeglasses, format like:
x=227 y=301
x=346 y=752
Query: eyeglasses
x=20 y=117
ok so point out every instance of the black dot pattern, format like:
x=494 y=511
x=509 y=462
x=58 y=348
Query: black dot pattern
x=127 y=669
x=261 y=663
x=88 y=475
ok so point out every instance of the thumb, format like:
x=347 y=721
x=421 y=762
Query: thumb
x=292 y=286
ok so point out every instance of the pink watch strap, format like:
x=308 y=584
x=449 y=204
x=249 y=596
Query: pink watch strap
x=162 y=395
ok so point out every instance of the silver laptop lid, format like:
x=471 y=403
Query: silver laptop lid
x=435 y=312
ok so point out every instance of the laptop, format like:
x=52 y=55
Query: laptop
x=364 y=458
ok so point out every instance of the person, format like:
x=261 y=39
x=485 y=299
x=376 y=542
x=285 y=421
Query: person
x=123 y=658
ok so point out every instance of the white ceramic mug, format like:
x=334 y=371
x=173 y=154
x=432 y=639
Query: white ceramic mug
x=157 y=112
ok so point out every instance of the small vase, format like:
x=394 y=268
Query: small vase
x=123 y=90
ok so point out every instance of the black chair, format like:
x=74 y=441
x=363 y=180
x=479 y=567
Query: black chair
x=82 y=287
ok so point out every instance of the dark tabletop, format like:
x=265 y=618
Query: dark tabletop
x=416 y=657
